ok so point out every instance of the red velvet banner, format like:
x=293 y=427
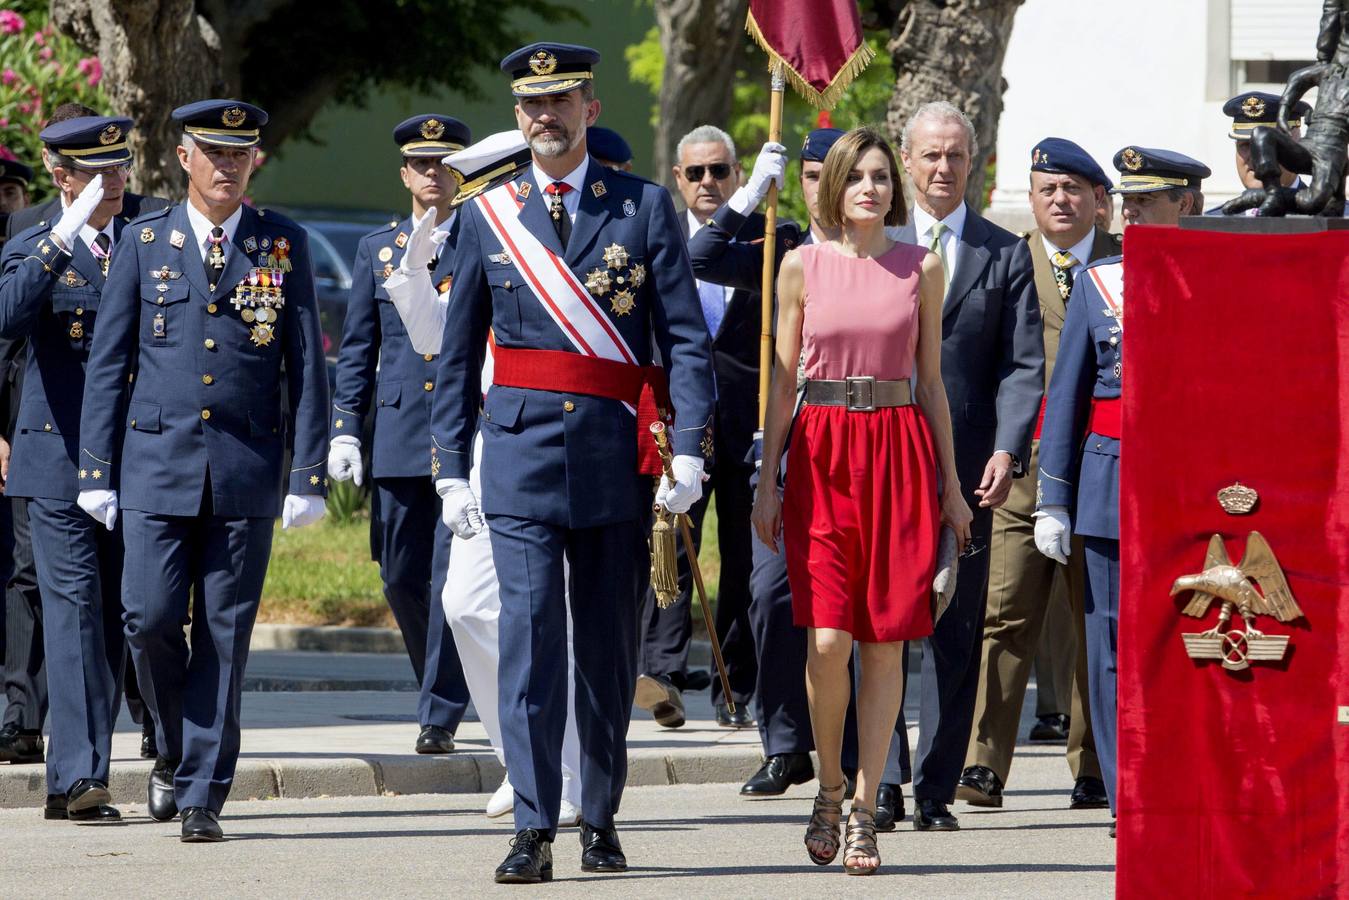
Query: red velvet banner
x=1234 y=783
x=819 y=42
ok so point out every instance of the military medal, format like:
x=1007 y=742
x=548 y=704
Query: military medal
x=615 y=256
x=157 y=326
x=622 y=303
x=385 y=254
x=597 y=282
x=176 y=238
x=250 y=244
x=148 y=235
x=76 y=330
x=638 y=275
x=247 y=315
x=261 y=335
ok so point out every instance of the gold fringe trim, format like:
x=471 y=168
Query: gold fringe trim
x=830 y=96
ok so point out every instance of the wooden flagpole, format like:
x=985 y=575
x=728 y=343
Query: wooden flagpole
x=778 y=87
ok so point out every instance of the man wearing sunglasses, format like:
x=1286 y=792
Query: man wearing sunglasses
x=706 y=175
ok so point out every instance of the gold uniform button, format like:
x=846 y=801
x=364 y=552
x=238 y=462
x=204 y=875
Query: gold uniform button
x=507 y=284
x=79 y=311
x=210 y=308
x=212 y=288
x=47 y=427
x=210 y=344
x=428 y=386
x=206 y=379
x=160 y=301
x=428 y=356
x=569 y=406
x=206 y=414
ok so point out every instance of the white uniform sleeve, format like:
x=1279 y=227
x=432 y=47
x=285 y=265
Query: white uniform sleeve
x=420 y=306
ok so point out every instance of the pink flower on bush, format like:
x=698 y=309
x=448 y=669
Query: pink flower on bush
x=91 y=67
x=8 y=77
x=5 y=152
x=45 y=53
x=25 y=108
x=11 y=22
x=40 y=38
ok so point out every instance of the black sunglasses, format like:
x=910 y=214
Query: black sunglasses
x=720 y=171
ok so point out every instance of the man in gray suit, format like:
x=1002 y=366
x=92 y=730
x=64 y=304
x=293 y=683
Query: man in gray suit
x=993 y=367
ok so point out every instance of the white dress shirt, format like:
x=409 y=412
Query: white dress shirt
x=955 y=227
x=1081 y=251
x=201 y=228
x=575 y=179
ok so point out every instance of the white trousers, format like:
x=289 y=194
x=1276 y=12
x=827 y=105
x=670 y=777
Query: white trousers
x=472 y=604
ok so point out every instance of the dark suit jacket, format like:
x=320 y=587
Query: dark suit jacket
x=993 y=358
x=728 y=250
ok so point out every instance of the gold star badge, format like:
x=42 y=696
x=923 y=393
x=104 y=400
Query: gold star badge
x=622 y=303
x=97 y=474
x=147 y=235
x=337 y=424
x=44 y=248
x=84 y=473
x=597 y=282
x=615 y=256
x=314 y=480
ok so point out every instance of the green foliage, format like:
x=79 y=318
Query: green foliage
x=39 y=70
x=646 y=65
x=346 y=501
x=323 y=575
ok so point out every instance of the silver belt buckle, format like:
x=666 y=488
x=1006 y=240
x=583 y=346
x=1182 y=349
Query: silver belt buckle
x=859 y=393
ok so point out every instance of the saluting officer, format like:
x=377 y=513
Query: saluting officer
x=582 y=275
x=379 y=372
x=183 y=431
x=1079 y=477
x=49 y=293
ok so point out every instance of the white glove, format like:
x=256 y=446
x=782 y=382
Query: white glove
x=101 y=505
x=1054 y=533
x=688 y=487
x=344 y=459
x=422 y=243
x=769 y=168
x=76 y=215
x=459 y=507
x=300 y=510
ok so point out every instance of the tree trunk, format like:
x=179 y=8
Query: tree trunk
x=953 y=50
x=703 y=41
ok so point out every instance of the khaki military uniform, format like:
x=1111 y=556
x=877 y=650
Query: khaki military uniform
x=1024 y=586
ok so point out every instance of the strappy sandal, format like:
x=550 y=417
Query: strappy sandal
x=823 y=830
x=861 y=841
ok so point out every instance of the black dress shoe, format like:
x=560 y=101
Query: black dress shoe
x=86 y=793
x=162 y=803
x=19 y=747
x=889 y=806
x=529 y=861
x=738 y=719
x=1089 y=793
x=95 y=815
x=697 y=680
x=779 y=772
x=435 y=739
x=932 y=815
x=1052 y=729
x=658 y=694
x=600 y=850
x=979 y=786
x=200 y=826
x=149 y=749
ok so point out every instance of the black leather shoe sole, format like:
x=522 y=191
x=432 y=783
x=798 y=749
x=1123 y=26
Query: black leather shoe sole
x=523 y=877
x=922 y=823
x=1089 y=803
x=604 y=867
x=92 y=798
x=201 y=837
x=98 y=815
x=975 y=797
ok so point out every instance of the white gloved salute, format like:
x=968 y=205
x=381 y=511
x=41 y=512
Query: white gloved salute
x=769 y=169
x=688 y=485
x=459 y=508
x=76 y=215
x=419 y=305
x=344 y=459
x=300 y=510
x=1054 y=533
x=422 y=244
x=101 y=505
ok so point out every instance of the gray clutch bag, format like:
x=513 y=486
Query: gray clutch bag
x=944 y=584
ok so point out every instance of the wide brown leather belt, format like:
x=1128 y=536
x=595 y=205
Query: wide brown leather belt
x=859 y=394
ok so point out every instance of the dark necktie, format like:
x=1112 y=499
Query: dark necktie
x=1063 y=273
x=561 y=221
x=102 y=251
x=215 y=256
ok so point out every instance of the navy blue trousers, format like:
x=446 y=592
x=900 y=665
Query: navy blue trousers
x=79 y=566
x=216 y=564
x=25 y=675
x=1101 y=556
x=603 y=564
x=780 y=702
x=413 y=550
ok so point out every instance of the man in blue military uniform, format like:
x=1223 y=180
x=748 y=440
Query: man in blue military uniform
x=608 y=148
x=378 y=372
x=581 y=274
x=183 y=432
x=50 y=294
x=1247 y=110
x=1079 y=477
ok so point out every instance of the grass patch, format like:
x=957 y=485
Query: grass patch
x=323 y=575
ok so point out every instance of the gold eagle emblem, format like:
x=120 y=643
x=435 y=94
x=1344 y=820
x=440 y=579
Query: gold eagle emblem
x=110 y=135
x=432 y=129
x=1252 y=107
x=233 y=117
x=543 y=63
x=1132 y=159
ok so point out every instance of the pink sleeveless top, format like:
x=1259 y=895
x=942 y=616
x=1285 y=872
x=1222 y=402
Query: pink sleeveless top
x=861 y=314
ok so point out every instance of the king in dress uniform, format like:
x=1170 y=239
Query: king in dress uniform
x=183 y=429
x=581 y=274
x=1079 y=476
x=380 y=374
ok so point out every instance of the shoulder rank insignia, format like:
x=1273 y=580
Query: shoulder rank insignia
x=385 y=254
x=598 y=189
x=401 y=241
x=522 y=190
x=147 y=235
x=629 y=208
x=176 y=238
x=250 y=244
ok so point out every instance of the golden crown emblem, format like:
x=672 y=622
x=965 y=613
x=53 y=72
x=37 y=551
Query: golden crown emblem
x=1252 y=107
x=432 y=129
x=1236 y=499
x=233 y=117
x=110 y=135
x=1133 y=160
x=542 y=63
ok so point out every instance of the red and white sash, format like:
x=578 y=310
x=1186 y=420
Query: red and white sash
x=564 y=297
x=1109 y=280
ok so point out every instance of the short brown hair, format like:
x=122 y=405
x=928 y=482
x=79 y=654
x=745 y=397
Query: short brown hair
x=838 y=164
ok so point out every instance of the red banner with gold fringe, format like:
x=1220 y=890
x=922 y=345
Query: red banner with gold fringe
x=818 y=42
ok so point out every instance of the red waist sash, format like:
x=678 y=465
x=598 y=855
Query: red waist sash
x=1107 y=414
x=644 y=387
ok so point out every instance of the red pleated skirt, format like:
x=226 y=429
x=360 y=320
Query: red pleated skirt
x=861 y=519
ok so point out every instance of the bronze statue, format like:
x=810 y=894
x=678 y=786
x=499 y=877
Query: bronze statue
x=1321 y=152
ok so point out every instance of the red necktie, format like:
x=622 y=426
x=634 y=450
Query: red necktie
x=561 y=221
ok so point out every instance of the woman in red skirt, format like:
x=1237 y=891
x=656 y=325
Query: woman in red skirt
x=871 y=472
